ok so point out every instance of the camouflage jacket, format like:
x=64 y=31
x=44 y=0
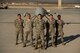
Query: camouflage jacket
x=60 y=25
x=28 y=25
x=52 y=25
x=39 y=25
x=19 y=24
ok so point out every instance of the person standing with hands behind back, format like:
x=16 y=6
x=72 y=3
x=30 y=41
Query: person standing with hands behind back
x=28 y=29
x=19 y=28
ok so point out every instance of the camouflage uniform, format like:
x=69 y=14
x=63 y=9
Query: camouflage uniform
x=60 y=29
x=39 y=29
x=52 y=31
x=29 y=31
x=19 y=29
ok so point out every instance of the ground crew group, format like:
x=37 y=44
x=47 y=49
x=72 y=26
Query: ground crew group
x=24 y=29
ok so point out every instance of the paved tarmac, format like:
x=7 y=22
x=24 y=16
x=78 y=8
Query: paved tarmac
x=71 y=32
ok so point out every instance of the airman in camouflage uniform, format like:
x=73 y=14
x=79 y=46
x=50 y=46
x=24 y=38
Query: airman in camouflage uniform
x=60 y=28
x=28 y=29
x=19 y=28
x=39 y=25
x=52 y=28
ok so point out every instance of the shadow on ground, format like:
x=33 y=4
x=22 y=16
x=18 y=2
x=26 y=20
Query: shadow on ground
x=68 y=39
